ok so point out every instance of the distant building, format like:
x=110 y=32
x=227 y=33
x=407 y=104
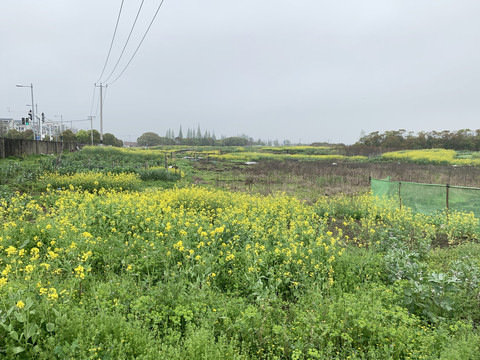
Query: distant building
x=7 y=124
x=50 y=129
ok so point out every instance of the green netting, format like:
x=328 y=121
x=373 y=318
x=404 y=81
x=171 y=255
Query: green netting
x=429 y=198
x=464 y=199
x=384 y=187
x=423 y=198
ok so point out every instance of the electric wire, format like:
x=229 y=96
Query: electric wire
x=113 y=39
x=126 y=42
x=141 y=41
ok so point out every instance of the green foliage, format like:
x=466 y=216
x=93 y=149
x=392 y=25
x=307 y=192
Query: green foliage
x=85 y=137
x=147 y=164
x=89 y=181
x=68 y=136
x=463 y=139
x=15 y=134
x=149 y=139
x=192 y=273
x=157 y=174
x=111 y=140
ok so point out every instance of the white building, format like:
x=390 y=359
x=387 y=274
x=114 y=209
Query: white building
x=50 y=129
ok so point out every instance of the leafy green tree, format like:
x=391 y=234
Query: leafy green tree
x=180 y=133
x=372 y=139
x=167 y=141
x=96 y=136
x=149 y=139
x=27 y=134
x=82 y=136
x=393 y=139
x=110 y=139
x=85 y=136
x=68 y=136
x=14 y=134
x=235 y=141
x=3 y=129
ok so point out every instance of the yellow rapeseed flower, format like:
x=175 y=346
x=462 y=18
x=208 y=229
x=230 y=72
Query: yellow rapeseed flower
x=20 y=304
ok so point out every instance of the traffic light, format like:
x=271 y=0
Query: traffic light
x=23 y=121
x=43 y=117
x=30 y=114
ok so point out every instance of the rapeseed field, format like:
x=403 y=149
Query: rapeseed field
x=93 y=268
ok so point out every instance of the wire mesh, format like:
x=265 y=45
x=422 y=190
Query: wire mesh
x=429 y=198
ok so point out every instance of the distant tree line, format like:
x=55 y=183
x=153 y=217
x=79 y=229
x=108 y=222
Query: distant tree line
x=85 y=137
x=82 y=136
x=196 y=137
x=464 y=139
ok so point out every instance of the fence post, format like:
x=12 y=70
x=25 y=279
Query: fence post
x=399 y=193
x=448 y=192
x=447 y=198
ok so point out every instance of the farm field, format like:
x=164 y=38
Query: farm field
x=310 y=180
x=104 y=254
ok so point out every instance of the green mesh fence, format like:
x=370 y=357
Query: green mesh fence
x=429 y=198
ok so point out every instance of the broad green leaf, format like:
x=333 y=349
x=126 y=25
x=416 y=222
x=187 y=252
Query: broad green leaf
x=25 y=243
x=20 y=317
x=30 y=329
x=18 y=349
x=28 y=303
x=14 y=335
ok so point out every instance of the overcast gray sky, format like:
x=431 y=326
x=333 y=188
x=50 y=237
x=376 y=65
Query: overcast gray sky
x=304 y=70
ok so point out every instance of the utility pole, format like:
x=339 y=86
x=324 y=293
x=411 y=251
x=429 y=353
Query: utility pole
x=39 y=122
x=33 y=111
x=61 y=126
x=101 y=111
x=91 y=128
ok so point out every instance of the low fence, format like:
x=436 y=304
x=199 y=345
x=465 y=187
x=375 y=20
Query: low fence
x=20 y=147
x=429 y=198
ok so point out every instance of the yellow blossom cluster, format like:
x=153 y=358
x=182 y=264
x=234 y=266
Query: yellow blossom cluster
x=213 y=236
x=90 y=181
x=437 y=156
x=366 y=220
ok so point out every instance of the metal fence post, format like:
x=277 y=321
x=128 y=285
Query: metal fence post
x=399 y=193
x=447 y=195
x=448 y=192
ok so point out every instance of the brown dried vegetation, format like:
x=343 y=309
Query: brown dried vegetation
x=310 y=180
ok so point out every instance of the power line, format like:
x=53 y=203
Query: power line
x=126 y=42
x=111 y=44
x=141 y=41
